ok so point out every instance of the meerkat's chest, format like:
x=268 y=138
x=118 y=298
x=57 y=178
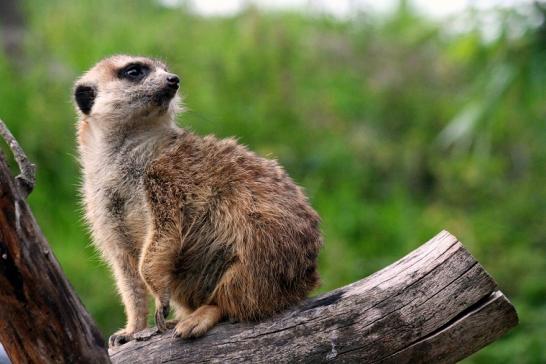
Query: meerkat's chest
x=115 y=198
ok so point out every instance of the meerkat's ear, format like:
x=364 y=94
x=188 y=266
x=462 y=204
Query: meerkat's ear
x=85 y=97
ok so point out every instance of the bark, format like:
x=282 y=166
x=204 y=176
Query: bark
x=435 y=305
x=42 y=320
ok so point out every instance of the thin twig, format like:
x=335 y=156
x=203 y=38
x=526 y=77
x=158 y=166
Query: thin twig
x=27 y=178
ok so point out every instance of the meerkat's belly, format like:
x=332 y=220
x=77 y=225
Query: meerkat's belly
x=135 y=219
x=118 y=214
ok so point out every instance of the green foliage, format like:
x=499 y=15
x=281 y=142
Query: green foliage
x=395 y=127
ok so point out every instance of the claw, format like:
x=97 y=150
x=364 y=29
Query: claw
x=171 y=324
x=190 y=328
x=198 y=323
x=119 y=338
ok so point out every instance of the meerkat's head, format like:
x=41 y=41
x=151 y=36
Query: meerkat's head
x=125 y=89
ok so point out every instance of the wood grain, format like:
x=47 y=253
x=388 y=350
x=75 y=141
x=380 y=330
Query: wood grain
x=435 y=305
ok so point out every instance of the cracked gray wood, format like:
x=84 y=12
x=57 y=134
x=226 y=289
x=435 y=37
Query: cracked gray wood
x=435 y=305
x=42 y=320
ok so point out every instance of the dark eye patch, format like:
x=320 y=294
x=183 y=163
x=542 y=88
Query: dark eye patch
x=85 y=97
x=134 y=72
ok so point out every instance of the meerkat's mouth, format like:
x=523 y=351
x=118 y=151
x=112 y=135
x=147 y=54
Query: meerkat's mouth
x=165 y=95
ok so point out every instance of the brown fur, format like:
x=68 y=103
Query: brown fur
x=203 y=223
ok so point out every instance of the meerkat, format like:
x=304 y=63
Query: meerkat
x=202 y=224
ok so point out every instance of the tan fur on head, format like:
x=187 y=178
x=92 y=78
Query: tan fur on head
x=199 y=223
x=119 y=100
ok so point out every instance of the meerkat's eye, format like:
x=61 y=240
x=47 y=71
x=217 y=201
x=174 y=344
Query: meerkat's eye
x=134 y=72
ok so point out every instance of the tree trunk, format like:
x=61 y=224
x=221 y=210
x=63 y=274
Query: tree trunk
x=41 y=318
x=436 y=305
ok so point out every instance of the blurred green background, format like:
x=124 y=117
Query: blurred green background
x=397 y=125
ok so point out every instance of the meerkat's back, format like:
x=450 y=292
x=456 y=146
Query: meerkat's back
x=249 y=238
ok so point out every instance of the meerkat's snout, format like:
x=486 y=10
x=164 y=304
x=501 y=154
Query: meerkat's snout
x=173 y=81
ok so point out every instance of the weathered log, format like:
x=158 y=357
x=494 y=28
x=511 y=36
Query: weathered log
x=436 y=305
x=42 y=320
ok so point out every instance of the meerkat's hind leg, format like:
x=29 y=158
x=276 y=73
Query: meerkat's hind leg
x=198 y=322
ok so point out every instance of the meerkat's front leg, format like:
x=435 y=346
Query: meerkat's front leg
x=133 y=295
x=155 y=266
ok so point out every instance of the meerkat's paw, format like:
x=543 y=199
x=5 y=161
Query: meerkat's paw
x=161 y=313
x=198 y=322
x=119 y=338
x=171 y=324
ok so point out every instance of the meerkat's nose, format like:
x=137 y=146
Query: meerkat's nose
x=173 y=81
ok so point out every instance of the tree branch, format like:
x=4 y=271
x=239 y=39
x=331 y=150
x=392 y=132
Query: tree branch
x=436 y=305
x=27 y=178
